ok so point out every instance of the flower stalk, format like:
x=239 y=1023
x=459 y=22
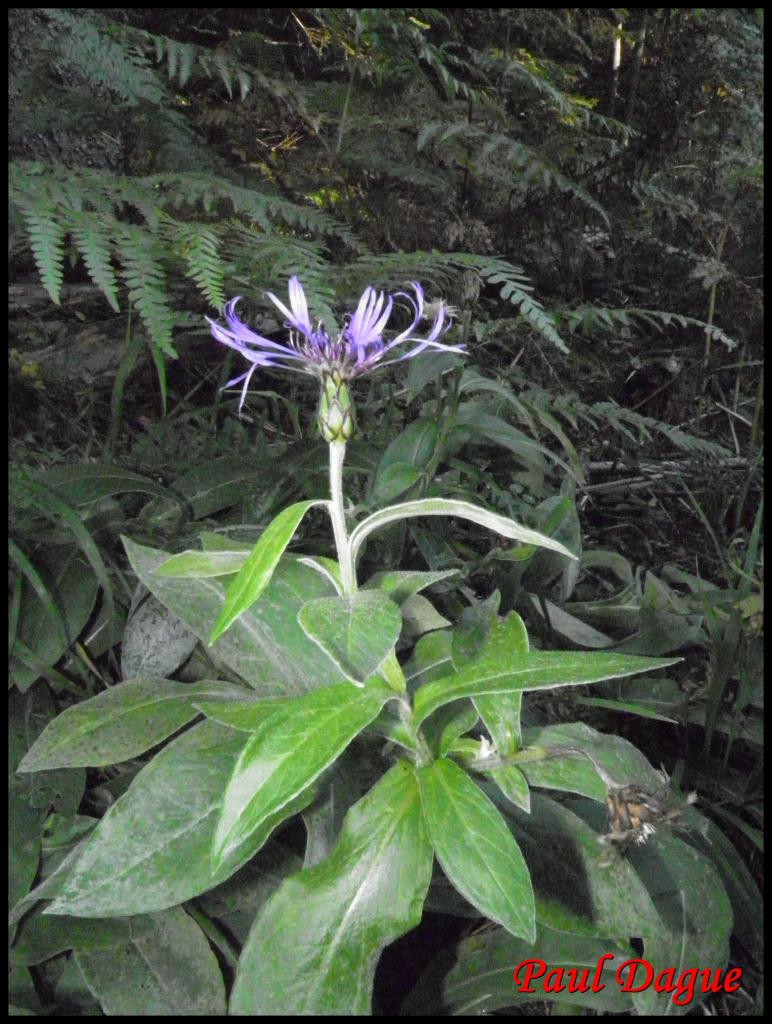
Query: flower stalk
x=335 y=360
x=337 y=515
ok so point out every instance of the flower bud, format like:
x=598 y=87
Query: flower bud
x=336 y=414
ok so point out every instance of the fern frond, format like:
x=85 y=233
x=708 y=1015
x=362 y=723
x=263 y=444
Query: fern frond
x=140 y=256
x=665 y=318
x=588 y=318
x=437 y=58
x=438 y=269
x=620 y=418
x=514 y=288
x=103 y=60
x=264 y=209
x=360 y=154
x=632 y=424
x=180 y=58
x=267 y=260
x=198 y=245
x=94 y=242
x=46 y=237
x=534 y=167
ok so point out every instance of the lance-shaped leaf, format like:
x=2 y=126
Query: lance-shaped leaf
x=255 y=574
x=165 y=968
x=476 y=849
x=402 y=585
x=451 y=507
x=314 y=947
x=152 y=849
x=265 y=645
x=501 y=711
x=289 y=749
x=476 y=974
x=121 y=722
x=356 y=630
x=198 y=565
x=496 y=671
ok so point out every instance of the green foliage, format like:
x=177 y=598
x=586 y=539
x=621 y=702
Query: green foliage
x=530 y=165
x=145 y=280
x=46 y=238
x=529 y=525
x=96 y=209
x=104 y=61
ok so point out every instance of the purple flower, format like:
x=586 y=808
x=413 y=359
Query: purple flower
x=359 y=348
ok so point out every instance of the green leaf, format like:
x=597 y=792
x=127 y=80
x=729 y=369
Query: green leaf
x=483 y=427
x=501 y=712
x=46 y=935
x=265 y=646
x=574 y=773
x=419 y=616
x=405 y=458
x=665 y=891
x=460 y=720
x=314 y=948
x=502 y=668
x=451 y=507
x=394 y=480
x=289 y=749
x=581 y=886
x=152 y=849
x=215 y=485
x=475 y=977
x=41 y=591
x=58 y=511
x=119 y=723
x=244 y=714
x=326 y=567
x=514 y=785
x=625 y=706
x=472 y=629
x=82 y=483
x=401 y=585
x=427 y=367
x=356 y=631
x=73 y=588
x=695 y=912
x=155 y=642
x=746 y=899
x=431 y=658
x=199 y=564
x=476 y=849
x=565 y=625
x=164 y=968
x=255 y=574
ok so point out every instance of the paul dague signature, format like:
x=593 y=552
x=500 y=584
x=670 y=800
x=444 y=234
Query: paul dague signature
x=634 y=975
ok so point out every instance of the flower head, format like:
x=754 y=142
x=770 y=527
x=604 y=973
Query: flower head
x=357 y=349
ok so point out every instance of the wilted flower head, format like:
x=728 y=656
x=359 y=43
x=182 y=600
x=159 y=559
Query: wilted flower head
x=359 y=348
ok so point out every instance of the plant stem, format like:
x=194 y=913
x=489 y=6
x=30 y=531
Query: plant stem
x=342 y=543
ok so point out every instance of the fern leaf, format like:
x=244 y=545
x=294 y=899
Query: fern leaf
x=199 y=246
x=223 y=66
x=46 y=236
x=101 y=59
x=94 y=243
x=144 y=276
x=514 y=289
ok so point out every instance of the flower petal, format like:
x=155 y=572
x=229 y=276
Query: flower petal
x=298 y=317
